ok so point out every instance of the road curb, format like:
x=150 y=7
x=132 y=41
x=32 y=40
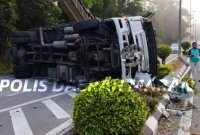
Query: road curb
x=153 y=120
x=186 y=72
x=176 y=57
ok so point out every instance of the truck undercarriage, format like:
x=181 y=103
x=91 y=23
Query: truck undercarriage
x=82 y=52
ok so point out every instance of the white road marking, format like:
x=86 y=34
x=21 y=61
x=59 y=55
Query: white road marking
x=55 y=109
x=60 y=128
x=72 y=94
x=20 y=124
x=34 y=101
x=186 y=120
x=14 y=94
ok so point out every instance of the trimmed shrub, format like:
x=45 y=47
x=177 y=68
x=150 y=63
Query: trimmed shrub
x=163 y=52
x=109 y=107
x=164 y=70
x=185 y=45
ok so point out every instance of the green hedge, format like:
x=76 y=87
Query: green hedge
x=164 y=70
x=152 y=95
x=109 y=107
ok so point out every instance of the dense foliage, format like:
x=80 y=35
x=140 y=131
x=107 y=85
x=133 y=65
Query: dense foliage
x=23 y=15
x=109 y=107
x=35 y=13
x=8 y=19
x=111 y=8
x=163 y=52
x=164 y=70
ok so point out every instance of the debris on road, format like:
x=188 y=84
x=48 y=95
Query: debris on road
x=181 y=91
x=175 y=112
x=177 y=90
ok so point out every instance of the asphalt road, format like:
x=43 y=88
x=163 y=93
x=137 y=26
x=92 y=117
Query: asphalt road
x=33 y=112
x=170 y=57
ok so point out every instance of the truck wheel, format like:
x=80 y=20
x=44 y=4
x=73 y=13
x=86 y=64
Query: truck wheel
x=13 y=55
x=88 y=25
x=20 y=34
x=23 y=71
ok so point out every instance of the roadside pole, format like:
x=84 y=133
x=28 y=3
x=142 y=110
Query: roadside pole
x=179 y=33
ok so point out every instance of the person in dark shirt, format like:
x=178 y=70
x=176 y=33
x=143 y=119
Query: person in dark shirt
x=194 y=55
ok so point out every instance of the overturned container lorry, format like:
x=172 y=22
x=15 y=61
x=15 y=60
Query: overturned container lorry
x=86 y=51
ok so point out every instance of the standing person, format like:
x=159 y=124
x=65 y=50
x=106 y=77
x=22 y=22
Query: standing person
x=194 y=55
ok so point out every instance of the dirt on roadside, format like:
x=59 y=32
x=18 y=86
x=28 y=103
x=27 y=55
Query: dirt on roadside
x=170 y=125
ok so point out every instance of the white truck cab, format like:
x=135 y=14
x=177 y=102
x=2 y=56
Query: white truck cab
x=133 y=53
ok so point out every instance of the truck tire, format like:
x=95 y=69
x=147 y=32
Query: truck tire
x=88 y=25
x=13 y=55
x=20 y=34
x=23 y=71
x=21 y=40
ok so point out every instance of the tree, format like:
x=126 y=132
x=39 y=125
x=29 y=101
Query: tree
x=163 y=52
x=36 y=13
x=113 y=8
x=185 y=45
x=88 y=3
x=8 y=18
x=23 y=15
x=166 y=19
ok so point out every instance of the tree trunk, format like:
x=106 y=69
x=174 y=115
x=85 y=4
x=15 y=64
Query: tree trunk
x=163 y=61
